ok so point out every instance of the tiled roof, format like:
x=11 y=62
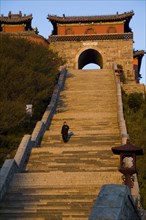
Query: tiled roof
x=138 y=53
x=69 y=19
x=15 y=18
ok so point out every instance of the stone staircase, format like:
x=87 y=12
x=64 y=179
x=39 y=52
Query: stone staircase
x=61 y=181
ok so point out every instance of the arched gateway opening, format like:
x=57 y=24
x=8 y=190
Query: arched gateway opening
x=90 y=56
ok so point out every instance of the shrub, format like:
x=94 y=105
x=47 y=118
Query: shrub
x=135 y=101
x=134 y=113
x=28 y=75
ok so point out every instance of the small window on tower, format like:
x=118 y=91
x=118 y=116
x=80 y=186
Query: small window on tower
x=69 y=31
x=111 y=30
x=90 y=31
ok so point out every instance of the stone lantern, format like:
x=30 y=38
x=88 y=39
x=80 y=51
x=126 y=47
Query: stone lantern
x=128 y=154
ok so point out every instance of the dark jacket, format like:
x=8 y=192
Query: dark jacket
x=64 y=129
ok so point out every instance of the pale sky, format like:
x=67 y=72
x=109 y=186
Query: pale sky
x=40 y=10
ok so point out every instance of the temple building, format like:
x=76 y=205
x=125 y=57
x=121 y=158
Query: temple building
x=109 y=35
x=19 y=25
x=88 y=25
x=15 y=23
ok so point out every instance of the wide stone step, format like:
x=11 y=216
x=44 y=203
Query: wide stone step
x=90 y=138
x=58 y=178
x=55 y=195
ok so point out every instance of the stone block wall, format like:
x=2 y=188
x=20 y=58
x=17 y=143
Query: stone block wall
x=112 y=51
x=134 y=87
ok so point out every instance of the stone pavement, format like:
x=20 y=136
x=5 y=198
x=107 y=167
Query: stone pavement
x=61 y=180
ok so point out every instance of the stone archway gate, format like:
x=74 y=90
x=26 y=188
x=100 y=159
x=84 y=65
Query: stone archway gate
x=111 y=38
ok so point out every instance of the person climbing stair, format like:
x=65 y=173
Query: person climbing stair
x=64 y=132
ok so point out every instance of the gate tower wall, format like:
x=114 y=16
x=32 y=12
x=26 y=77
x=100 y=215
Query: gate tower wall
x=112 y=51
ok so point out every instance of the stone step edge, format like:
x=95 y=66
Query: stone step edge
x=59 y=178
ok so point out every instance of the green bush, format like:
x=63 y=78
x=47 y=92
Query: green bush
x=135 y=116
x=135 y=101
x=28 y=75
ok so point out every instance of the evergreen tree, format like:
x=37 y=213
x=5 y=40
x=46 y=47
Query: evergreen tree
x=29 y=72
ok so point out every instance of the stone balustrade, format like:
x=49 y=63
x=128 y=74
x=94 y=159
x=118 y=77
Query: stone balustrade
x=23 y=151
x=114 y=202
x=6 y=174
x=12 y=166
x=37 y=133
x=121 y=120
x=124 y=135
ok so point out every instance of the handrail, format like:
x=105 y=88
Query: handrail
x=121 y=120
